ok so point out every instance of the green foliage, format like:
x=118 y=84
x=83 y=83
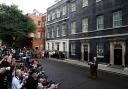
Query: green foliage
x=13 y=23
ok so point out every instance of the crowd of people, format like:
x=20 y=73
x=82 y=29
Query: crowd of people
x=18 y=70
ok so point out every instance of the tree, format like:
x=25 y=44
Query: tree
x=13 y=23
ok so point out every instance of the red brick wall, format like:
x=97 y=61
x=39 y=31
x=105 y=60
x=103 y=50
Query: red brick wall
x=39 y=42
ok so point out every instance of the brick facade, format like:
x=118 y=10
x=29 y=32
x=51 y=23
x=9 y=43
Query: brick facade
x=38 y=41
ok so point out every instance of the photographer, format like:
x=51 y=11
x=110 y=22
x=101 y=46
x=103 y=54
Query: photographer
x=5 y=74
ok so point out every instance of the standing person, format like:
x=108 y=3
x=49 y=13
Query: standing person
x=32 y=81
x=35 y=53
x=16 y=82
x=40 y=54
x=5 y=76
x=93 y=68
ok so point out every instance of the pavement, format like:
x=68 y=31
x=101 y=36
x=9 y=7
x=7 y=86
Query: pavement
x=102 y=67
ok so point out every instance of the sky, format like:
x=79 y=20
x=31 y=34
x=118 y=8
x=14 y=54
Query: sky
x=27 y=6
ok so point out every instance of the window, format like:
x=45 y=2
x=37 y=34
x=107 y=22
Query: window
x=85 y=3
x=58 y=13
x=48 y=34
x=98 y=0
x=100 y=50
x=73 y=49
x=48 y=18
x=53 y=16
x=52 y=46
x=64 y=46
x=73 y=7
x=100 y=22
x=48 y=46
x=73 y=27
x=58 y=45
x=85 y=25
x=57 y=31
x=52 y=32
x=64 y=10
x=117 y=19
x=39 y=23
x=38 y=34
x=63 y=29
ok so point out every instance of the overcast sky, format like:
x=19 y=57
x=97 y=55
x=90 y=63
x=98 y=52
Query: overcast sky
x=27 y=6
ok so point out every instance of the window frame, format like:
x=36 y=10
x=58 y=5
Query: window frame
x=49 y=17
x=64 y=30
x=64 y=11
x=53 y=15
x=48 y=34
x=100 y=50
x=73 y=49
x=84 y=3
x=64 y=46
x=52 y=32
x=85 y=24
x=48 y=46
x=117 y=18
x=100 y=22
x=98 y=1
x=57 y=31
x=73 y=27
x=73 y=6
x=58 y=13
x=53 y=46
x=39 y=23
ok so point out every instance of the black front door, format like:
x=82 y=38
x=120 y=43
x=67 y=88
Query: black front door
x=86 y=52
x=118 y=56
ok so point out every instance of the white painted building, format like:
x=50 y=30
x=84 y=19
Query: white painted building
x=58 y=45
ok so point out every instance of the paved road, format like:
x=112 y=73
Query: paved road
x=75 y=77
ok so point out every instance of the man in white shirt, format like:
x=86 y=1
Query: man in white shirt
x=16 y=80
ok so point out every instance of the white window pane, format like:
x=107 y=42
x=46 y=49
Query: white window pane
x=73 y=48
x=117 y=19
x=98 y=0
x=63 y=30
x=58 y=13
x=73 y=6
x=52 y=32
x=64 y=10
x=100 y=50
x=100 y=22
x=48 y=18
x=64 y=46
x=53 y=16
x=52 y=46
x=85 y=3
x=73 y=27
x=85 y=25
x=57 y=32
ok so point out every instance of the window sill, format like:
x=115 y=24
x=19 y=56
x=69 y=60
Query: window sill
x=100 y=56
x=63 y=35
x=117 y=26
x=84 y=6
x=73 y=54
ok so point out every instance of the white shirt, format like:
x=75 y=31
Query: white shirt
x=16 y=83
